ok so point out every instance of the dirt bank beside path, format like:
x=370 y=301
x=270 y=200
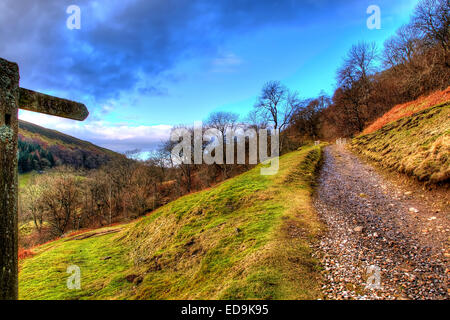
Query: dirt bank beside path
x=373 y=224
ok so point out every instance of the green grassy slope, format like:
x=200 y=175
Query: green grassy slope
x=418 y=145
x=247 y=238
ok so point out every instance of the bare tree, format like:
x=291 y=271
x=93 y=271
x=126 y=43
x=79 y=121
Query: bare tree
x=224 y=122
x=359 y=64
x=354 y=77
x=185 y=178
x=308 y=116
x=30 y=203
x=402 y=47
x=254 y=121
x=272 y=104
x=276 y=106
x=432 y=20
x=160 y=159
x=60 y=201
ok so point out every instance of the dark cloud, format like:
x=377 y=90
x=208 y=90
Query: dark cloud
x=120 y=41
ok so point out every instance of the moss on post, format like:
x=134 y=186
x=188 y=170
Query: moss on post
x=9 y=96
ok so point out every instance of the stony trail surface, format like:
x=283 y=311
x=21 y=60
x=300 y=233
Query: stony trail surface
x=372 y=224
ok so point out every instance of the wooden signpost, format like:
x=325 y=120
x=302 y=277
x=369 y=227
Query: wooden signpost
x=12 y=97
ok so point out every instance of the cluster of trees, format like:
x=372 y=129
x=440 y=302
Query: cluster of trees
x=37 y=156
x=65 y=199
x=33 y=157
x=188 y=177
x=413 y=62
x=370 y=81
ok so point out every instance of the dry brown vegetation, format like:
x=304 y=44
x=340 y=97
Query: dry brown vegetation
x=409 y=108
x=418 y=145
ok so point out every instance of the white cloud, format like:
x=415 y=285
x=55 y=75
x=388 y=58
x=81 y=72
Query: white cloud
x=227 y=62
x=119 y=138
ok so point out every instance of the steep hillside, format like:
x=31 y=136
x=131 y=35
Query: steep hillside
x=41 y=148
x=247 y=238
x=418 y=145
x=407 y=109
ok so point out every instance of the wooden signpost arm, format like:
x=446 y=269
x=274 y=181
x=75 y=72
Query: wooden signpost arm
x=42 y=103
x=12 y=97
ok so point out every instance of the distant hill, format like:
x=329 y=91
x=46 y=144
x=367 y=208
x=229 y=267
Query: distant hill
x=412 y=138
x=41 y=149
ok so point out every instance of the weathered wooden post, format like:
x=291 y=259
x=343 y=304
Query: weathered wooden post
x=9 y=98
x=12 y=97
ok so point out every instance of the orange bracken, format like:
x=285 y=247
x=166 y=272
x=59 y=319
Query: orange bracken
x=409 y=108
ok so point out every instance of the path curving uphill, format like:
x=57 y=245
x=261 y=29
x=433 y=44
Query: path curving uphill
x=374 y=225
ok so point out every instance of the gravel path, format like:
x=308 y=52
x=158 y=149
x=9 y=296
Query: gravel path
x=378 y=234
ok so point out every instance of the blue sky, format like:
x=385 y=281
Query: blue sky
x=142 y=66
